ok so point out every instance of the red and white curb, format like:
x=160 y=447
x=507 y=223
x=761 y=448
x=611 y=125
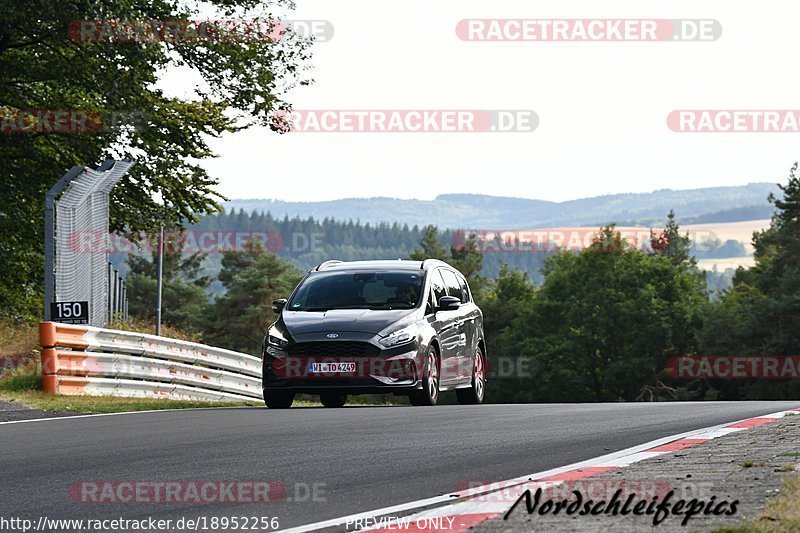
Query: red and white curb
x=458 y=511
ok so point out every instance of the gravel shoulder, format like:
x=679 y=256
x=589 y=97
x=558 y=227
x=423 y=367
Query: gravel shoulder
x=749 y=467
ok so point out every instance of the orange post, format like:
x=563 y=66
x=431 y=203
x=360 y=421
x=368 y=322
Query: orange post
x=50 y=383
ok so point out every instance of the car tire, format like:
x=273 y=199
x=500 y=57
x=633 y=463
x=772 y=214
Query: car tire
x=332 y=399
x=277 y=399
x=474 y=394
x=429 y=394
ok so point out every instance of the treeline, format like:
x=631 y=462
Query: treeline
x=605 y=323
x=308 y=242
x=601 y=325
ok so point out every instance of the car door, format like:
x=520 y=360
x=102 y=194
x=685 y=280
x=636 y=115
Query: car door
x=460 y=364
x=448 y=328
x=472 y=322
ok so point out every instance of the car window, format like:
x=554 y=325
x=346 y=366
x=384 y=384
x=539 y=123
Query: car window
x=437 y=286
x=464 y=290
x=451 y=282
x=358 y=290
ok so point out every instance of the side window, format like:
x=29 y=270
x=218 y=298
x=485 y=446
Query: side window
x=451 y=282
x=464 y=290
x=438 y=286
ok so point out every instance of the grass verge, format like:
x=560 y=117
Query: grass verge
x=102 y=404
x=781 y=515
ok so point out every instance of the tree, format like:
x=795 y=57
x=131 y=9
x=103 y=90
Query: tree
x=760 y=314
x=604 y=322
x=468 y=259
x=43 y=65
x=253 y=278
x=184 y=299
x=671 y=243
x=430 y=247
x=464 y=255
x=504 y=301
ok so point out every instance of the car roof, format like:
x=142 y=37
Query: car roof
x=398 y=264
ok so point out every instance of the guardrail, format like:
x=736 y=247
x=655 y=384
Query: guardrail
x=87 y=360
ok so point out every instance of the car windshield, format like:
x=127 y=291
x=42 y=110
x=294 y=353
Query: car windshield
x=358 y=290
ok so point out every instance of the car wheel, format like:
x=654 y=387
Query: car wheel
x=278 y=399
x=332 y=399
x=474 y=394
x=429 y=394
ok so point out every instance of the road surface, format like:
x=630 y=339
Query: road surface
x=331 y=462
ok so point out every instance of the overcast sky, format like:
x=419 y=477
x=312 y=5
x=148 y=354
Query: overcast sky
x=602 y=105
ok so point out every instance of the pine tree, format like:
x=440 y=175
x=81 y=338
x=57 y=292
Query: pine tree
x=253 y=278
x=430 y=247
x=671 y=243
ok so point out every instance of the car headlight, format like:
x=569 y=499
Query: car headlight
x=401 y=336
x=275 y=339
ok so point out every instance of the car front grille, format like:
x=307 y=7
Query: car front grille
x=333 y=349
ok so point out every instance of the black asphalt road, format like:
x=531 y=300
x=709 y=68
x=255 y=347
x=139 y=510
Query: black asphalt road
x=358 y=458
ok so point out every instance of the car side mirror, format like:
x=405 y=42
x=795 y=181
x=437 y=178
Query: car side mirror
x=279 y=304
x=449 y=303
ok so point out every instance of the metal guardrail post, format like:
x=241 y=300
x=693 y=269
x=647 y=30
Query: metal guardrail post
x=110 y=284
x=120 y=286
x=115 y=295
x=124 y=311
x=159 y=278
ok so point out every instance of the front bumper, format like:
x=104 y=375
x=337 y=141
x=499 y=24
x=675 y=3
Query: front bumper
x=397 y=370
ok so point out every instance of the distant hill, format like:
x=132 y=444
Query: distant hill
x=713 y=204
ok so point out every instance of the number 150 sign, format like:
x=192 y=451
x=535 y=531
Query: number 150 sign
x=70 y=312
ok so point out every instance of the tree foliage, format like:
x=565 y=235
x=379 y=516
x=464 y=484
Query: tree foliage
x=602 y=324
x=42 y=67
x=464 y=254
x=253 y=278
x=183 y=295
x=760 y=314
x=430 y=247
x=671 y=243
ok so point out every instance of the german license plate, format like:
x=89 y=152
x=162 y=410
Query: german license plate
x=329 y=368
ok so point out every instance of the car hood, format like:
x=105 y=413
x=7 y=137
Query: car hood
x=344 y=320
